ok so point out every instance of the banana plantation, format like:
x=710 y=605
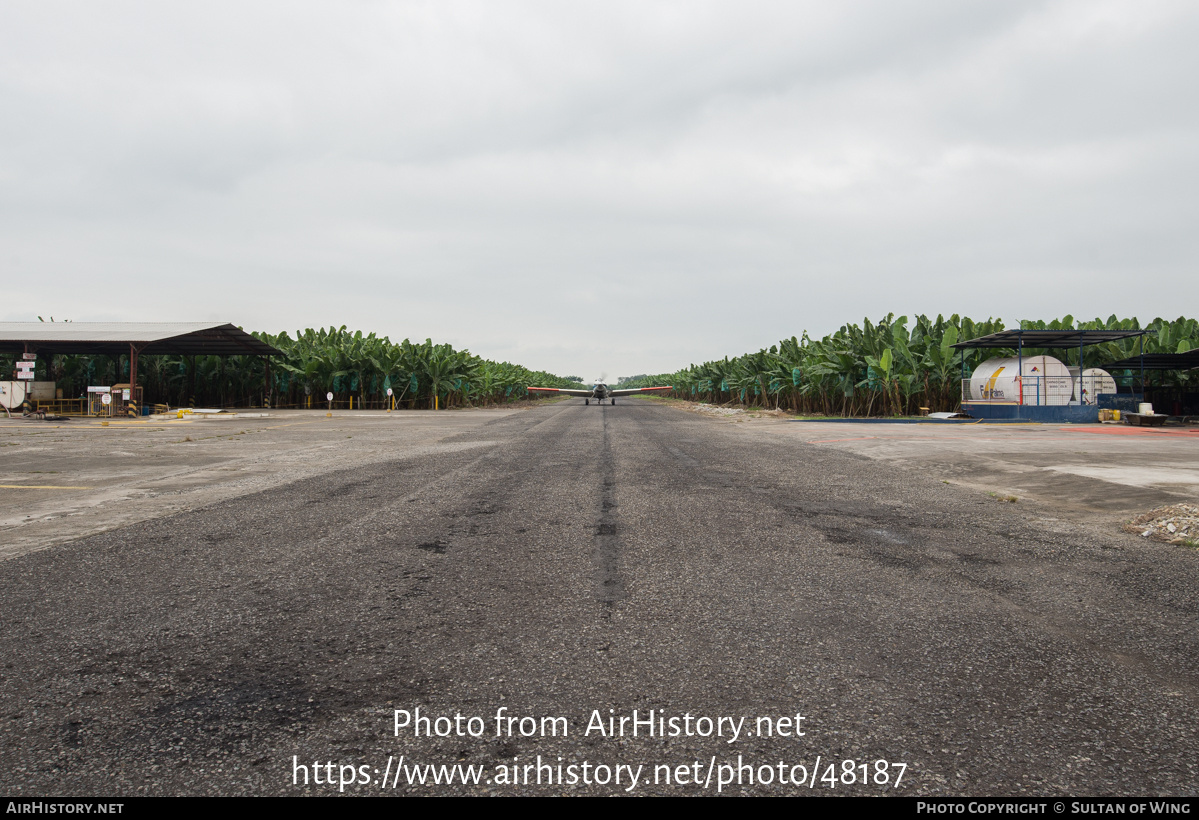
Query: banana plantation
x=418 y=374
x=358 y=369
x=895 y=366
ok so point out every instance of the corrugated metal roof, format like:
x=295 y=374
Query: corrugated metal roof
x=187 y=338
x=1066 y=337
x=99 y=331
x=1157 y=361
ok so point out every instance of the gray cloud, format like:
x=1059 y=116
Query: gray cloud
x=594 y=187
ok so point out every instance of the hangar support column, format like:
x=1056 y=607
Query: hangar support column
x=133 y=408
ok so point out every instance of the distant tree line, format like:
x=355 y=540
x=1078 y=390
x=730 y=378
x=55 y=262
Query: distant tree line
x=892 y=366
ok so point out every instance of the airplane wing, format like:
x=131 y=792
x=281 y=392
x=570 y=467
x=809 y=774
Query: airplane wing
x=633 y=390
x=568 y=391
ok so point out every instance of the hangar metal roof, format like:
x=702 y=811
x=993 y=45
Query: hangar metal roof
x=114 y=338
x=1158 y=361
x=1066 y=337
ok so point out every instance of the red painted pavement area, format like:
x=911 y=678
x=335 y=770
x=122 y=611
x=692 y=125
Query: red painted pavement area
x=1131 y=431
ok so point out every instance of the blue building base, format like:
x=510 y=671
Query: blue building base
x=1073 y=414
x=1124 y=402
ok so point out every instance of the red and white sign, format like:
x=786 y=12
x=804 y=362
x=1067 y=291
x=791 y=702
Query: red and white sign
x=28 y=356
x=26 y=365
x=25 y=374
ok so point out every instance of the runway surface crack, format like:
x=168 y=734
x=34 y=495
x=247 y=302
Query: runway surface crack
x=606 y=553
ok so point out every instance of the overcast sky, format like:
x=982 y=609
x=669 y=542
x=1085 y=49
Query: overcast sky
x=597 y=188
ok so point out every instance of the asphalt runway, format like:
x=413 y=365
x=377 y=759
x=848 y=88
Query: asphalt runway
x=585 y=562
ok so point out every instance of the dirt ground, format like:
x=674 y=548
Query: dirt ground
x=64 y=480
x=1092 y=474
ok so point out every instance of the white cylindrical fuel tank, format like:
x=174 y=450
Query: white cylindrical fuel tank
x=1044 y=380
x=12 y=394
x=1094 y=381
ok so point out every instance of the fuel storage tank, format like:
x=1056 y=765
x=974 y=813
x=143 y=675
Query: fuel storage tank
x=1035 y=380
x=1094 y=382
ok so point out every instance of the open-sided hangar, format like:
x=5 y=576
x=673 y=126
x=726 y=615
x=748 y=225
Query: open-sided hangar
x=1038 y=387
x=28 y=340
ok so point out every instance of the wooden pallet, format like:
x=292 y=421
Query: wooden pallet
x=1142 y=420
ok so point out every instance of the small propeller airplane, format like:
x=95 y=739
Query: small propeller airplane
x=599 y=393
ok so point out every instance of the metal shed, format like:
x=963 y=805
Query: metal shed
x=134 y=339
x=1176 y=400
